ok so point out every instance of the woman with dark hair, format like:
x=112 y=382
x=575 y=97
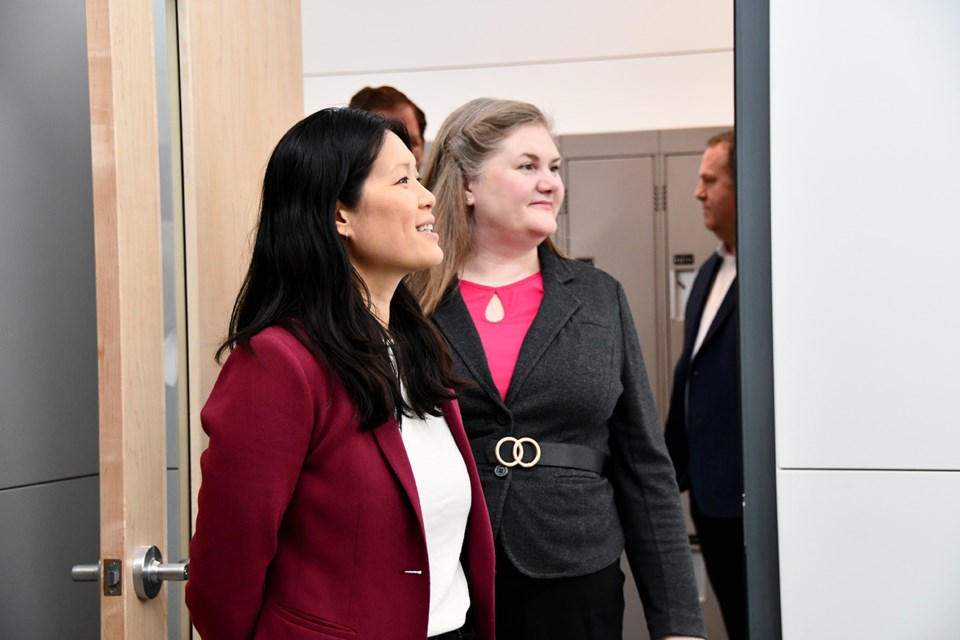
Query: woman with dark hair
x=339 y=497
x=560 y=418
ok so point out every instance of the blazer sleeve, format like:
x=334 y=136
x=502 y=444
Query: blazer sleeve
x=648 y=500
x=260 y=418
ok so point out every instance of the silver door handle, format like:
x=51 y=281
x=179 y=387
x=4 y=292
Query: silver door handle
x=149 y=572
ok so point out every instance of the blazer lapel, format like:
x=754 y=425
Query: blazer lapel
x=455 y=322
x=556 y=308
x=726 y=308
x=698 y=300
x=391 y=444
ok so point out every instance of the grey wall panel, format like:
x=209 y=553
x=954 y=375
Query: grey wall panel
x=864 y=259
x=869 y=554
x=48 y=342
x=44 y=531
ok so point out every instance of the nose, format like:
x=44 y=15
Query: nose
x=427 y=199
x=700 y=193
x=549 y=182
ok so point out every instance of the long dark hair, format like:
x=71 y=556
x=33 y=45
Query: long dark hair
x=301 y=278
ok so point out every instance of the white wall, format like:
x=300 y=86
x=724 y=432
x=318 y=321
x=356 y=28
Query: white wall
x=864 y=103
x=594 y=67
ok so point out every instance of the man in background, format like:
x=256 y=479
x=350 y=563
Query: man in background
x=703 y=424
x=391 y=103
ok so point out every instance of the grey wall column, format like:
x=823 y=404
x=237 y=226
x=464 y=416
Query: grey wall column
x=49 y=420
x=752 y=94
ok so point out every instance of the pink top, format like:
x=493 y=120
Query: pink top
x=502 y=340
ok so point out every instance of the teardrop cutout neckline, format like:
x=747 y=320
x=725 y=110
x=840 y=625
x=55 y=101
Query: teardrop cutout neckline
x=494 y=311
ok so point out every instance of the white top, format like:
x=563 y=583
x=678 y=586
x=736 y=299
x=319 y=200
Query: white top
x=721 y=284
x=443 y=486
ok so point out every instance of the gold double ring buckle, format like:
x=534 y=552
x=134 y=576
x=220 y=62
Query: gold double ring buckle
x=518 y=445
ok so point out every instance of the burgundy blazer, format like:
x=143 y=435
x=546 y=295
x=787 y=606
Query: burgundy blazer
x=307 y=527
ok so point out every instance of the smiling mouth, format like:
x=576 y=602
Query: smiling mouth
x=425 y=227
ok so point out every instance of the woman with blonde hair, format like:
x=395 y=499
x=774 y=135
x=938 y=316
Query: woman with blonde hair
x=560 y=415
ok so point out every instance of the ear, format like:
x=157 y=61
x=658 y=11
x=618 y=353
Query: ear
x=468 y=196
x=344 y=216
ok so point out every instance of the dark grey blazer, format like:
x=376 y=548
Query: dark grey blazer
x=580 y=379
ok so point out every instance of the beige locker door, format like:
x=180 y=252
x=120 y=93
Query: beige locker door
x=610 y=220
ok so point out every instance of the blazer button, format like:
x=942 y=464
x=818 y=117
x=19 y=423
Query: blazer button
x=503 y=419
x=500 y=471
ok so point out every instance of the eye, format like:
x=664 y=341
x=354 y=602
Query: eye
x=404 y=180
x=527 y=166
x=555 y=168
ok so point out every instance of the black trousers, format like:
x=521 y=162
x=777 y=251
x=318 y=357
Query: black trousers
x=721 y=542
x=583 y=608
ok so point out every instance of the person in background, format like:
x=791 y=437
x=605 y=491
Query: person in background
x=560 y=414
x=392 y=103
x=339 y=497
x=703 y=424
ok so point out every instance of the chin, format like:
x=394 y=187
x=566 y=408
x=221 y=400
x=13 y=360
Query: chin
x=546 y=232
x=433 y=260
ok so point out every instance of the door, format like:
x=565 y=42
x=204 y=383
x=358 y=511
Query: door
x=53 y=287
x=129 y=294
x=252 y=55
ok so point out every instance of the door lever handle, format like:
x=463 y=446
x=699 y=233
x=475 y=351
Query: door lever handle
x=149 y=572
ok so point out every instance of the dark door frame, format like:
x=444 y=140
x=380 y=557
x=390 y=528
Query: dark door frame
x=752 y=100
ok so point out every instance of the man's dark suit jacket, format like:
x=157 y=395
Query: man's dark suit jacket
x=703 y=426
x=580 y=379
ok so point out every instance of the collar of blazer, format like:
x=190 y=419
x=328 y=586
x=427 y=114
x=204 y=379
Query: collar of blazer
x=559 y=303
x=727 y=306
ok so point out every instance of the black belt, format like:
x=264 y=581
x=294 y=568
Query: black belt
x=527 y=452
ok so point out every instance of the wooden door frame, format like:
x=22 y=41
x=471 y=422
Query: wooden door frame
x=126 y=198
